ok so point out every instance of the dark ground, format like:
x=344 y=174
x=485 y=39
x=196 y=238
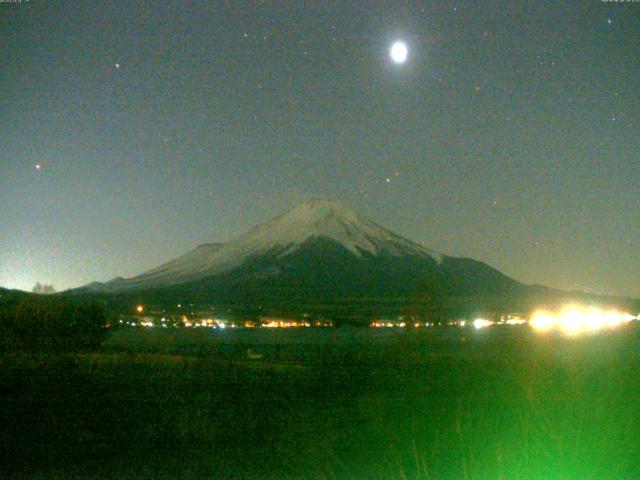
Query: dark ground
x=327 y=404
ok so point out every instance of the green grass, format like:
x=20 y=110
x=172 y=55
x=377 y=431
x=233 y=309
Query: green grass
x=414 y=406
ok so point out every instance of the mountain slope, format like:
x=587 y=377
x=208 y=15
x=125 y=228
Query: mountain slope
x=323 y=270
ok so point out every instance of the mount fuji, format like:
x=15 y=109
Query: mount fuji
x=321 y=252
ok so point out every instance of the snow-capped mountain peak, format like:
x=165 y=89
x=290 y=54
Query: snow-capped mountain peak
x=284 y=234
x=333 y=220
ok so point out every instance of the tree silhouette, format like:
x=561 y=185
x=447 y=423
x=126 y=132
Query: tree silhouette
x=43 y=289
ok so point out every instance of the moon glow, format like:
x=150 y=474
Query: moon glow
x=399 y=52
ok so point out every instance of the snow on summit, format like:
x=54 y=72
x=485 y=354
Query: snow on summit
x=334 y=220
x=287 y=232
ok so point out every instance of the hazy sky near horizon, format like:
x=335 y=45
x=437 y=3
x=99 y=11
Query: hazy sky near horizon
x=134 y=131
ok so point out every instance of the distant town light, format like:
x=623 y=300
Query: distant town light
x=479 y=323
x=139 y=309
x=515 y=321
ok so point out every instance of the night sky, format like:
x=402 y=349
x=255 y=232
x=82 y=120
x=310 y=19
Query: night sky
x=133 y=131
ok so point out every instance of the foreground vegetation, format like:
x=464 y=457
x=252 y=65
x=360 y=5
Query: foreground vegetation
x=413 y=406
x=45 y=323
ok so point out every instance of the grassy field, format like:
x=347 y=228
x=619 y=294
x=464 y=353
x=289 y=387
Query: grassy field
x=327 y=404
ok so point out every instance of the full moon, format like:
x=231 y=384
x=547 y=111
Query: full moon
x=399 y=52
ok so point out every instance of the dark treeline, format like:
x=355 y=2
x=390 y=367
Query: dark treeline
x=46 y=323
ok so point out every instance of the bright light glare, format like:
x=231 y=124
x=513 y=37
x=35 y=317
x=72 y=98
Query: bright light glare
x=573 y=320
x=399 y=52
x=479 y=323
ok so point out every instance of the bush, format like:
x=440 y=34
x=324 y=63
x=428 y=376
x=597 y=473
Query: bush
x=36 y=323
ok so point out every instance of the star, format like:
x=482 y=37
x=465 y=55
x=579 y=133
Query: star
x=609 y=21
x=117 y=65
x=38 y=167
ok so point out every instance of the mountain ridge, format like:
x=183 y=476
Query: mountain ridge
x=323 y=256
